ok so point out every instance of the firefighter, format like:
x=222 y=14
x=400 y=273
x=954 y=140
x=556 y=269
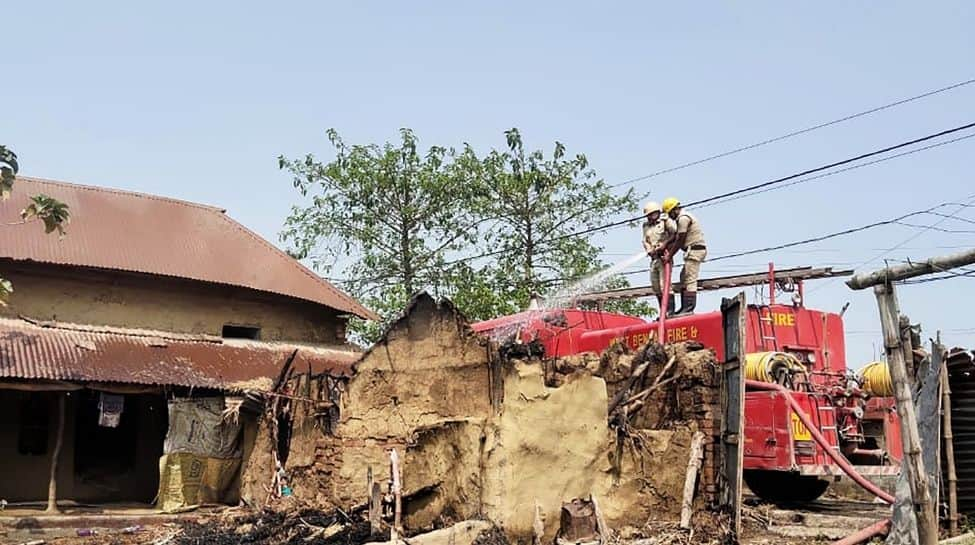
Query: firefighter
x=689 y=238
x=657 y=232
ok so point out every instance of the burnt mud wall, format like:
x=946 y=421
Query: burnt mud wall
x=686 y=401
x=427 y=390
x=424 y=390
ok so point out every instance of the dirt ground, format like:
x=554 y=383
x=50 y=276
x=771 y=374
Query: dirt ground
x=822 y=521
x=764 y=524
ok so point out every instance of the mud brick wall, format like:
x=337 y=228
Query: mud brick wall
x=691 y=399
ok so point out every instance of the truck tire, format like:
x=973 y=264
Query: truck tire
x=782 y=486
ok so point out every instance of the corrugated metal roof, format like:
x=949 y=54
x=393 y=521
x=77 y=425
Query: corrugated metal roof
x=121 y=230
x=30 y=351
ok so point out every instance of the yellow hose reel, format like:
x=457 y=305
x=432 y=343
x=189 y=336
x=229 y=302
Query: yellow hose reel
x=772 y=367
x=876 y=379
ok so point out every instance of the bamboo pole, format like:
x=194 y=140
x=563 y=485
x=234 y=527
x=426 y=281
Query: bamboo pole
x=949 y=443
x=913 y=464
x=52 y=486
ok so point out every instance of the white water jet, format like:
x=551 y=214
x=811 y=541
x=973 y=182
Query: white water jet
x=565 y=296
x=568 y=293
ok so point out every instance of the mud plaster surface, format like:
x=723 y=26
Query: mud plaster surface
x=554 y=444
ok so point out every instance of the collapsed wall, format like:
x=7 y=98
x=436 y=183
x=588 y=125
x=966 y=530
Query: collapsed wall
x=424 y=390
x=505 y=440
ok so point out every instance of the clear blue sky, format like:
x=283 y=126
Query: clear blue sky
x=196 y=100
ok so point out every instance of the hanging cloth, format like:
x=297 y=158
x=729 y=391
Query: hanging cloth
x=110 y=409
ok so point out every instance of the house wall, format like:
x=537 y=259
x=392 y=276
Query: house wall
x=25 y=477
x=70 y=294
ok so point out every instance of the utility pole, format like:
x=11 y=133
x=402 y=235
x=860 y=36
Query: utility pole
x=910 y=270
x=897 y=352
x=913 y=464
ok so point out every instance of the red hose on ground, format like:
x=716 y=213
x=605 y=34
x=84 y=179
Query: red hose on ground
x=875 y=529
x=841 y=461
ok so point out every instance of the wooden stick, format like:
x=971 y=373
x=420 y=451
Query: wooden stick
x=913 y=464
x=690 y=479
x=949 y=444
x=538 y=528
x=601 y=527
x=374 y=501
x=622 y=393
x=656 y=386
x=52 y=486
x=397 y=494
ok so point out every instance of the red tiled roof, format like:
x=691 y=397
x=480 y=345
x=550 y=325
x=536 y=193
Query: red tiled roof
x=121 y=230
x=72 y=353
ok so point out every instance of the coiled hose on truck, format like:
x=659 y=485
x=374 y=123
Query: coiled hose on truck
x=876 y=381
x=772 y=367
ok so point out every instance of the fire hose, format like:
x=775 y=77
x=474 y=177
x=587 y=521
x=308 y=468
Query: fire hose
x=868 y=532
x=840 y=460
x=875 y=529
x=664 y=296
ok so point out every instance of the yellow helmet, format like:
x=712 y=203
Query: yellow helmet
x=651 y=207
x=669 y=204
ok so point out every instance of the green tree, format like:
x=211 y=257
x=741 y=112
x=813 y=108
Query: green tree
x=383 y=217
x=541 y=202
x=52 y=213
x=390 y=220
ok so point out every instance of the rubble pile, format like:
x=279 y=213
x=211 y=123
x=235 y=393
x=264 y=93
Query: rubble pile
x=273 y=527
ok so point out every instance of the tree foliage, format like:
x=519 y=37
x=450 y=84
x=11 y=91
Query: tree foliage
x=53 y=213
x=396 y=209
x=541 y=202
x=392 y=220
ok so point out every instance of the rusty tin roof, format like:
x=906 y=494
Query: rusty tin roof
x=72 y=353
x=122 y=230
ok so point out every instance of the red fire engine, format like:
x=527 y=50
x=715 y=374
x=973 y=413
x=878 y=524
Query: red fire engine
x=781 y=459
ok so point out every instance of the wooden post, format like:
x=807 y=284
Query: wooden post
x=913 y=464
x=375 y=503
x=397 y=495
x=690 y=479
x=911 y=270
x=734 y=315
x=907 y=346
x=949 y=442
x=52 y=486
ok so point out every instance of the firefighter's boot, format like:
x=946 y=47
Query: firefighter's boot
x=688 y=300
x=670 y=304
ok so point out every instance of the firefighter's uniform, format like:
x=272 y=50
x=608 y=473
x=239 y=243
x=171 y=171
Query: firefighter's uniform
x=695 y=250
x=654 y=235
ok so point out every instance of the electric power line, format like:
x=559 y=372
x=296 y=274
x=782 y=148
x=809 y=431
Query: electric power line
x=946 y=276
x=835 y=172
x=751 y=190
x=924 y=229
x=793 y=133
x=834 y=165
x=812 y=240
x=745 y=190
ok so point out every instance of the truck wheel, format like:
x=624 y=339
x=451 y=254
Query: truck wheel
x=782 y=486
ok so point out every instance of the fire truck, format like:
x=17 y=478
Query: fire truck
x=797 y=350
